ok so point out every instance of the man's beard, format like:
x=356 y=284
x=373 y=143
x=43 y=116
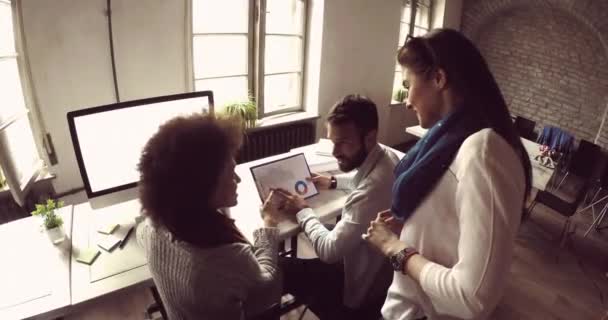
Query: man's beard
x=355 y=162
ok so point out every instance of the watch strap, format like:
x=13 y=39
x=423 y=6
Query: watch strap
x=334 y=183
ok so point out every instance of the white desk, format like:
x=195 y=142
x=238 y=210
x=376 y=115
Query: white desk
x=34 y=273
x=540 y=174
x=126 y=268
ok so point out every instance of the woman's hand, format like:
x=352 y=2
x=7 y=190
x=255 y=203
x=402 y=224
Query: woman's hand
x=393 y=223
x=320 y=181
x=269 y=210
x=290 y=204
x=380 y=235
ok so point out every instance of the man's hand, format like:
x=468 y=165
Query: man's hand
x=320 y=181
x=290 y=204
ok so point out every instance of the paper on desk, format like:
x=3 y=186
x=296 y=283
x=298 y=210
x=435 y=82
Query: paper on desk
x=24 y=272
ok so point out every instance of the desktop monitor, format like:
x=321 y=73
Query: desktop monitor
x=108 y=141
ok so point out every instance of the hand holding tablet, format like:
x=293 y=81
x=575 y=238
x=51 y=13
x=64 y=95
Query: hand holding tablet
x=290 y=174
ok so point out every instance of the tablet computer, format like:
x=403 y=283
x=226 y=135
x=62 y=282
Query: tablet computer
x=288 y=173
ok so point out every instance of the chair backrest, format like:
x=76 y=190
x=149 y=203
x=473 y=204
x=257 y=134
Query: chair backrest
x=585 y=159
x=525 y=127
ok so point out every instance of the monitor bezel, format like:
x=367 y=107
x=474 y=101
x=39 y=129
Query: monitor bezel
x=116 y=106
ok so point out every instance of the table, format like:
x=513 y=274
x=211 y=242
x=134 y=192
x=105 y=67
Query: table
x=34 y=273
x=50 y=283
x=541 y=175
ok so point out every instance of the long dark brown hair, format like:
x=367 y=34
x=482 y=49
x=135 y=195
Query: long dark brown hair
x=468 y=74
x=179 y=170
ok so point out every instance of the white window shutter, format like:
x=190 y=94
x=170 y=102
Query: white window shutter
x=19 y=157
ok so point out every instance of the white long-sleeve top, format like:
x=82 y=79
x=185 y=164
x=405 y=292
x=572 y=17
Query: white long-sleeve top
x=365 y=268
x=466 y=227
x=226 y=282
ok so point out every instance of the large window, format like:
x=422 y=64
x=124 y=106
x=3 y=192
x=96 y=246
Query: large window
x=245 y=49
x=418 y=11
x=19 y=160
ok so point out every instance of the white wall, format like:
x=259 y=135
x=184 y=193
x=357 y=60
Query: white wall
x=353 y=43
x=358 y=55
x=67 y=45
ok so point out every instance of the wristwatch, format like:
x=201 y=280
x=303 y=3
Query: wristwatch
x=334 y=182
x=399 y=259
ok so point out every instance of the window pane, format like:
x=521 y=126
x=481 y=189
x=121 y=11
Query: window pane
x=283 y=54
x=281 y=91
x=10 y=89
x=21 y=148
x=7 y=40
x=420 y=31
x=216 y=56
x=220 y=16
x=406 y=14
x=423 y=15
x=398 y=81
x=285 y=16
x=224 y=89
x=405 y=28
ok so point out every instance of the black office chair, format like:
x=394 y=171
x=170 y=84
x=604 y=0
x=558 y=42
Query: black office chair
x=563 y=207
x=157 y=307
x=583 y=162
x=525 y=127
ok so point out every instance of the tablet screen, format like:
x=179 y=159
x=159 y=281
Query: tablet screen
x=288 y=173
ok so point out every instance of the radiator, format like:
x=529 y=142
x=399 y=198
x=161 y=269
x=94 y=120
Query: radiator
x=264 y=142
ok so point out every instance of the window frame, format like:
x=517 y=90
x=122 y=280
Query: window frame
x=412 y=24
x=256 y=55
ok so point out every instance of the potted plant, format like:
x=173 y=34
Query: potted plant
x=400 y=95
x=246 y=111
x=2 y=180
x=51 y=220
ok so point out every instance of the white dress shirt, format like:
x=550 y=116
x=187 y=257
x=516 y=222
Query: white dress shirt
x=371 y=193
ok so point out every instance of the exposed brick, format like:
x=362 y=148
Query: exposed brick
x=549 y=57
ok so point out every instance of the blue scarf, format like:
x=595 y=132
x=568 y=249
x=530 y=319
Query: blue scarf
x=418 y=172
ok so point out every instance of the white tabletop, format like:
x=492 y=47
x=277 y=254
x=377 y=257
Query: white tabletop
x=34 y=273
x=123 y=268
x=540 y=174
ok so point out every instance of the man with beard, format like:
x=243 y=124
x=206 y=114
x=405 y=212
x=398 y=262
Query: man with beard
x=349 y=279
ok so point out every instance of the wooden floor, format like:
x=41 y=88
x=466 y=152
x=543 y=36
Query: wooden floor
x=542 y=287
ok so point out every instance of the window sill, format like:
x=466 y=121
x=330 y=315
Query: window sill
x=396 y=104
x=283 y=119
x=42 y=177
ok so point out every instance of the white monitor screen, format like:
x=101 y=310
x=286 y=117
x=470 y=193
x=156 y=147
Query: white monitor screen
x=108 y=140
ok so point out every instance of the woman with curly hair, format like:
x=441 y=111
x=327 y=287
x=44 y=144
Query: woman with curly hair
x=202 y=265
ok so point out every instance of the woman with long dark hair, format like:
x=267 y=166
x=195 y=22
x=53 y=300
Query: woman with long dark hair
x=459 y=192
x=202 y=265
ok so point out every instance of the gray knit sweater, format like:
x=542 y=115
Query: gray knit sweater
x=226 y=282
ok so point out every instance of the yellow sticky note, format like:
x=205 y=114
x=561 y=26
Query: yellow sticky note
x=87 y=255
x=108 y=228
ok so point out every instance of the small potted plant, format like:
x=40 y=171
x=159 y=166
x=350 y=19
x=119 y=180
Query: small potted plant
x=51 y=220
x=246 y=111
x=400 y=95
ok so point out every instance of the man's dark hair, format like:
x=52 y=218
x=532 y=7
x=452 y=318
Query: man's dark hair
x=356 y=109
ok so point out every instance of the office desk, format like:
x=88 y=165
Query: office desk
x=127 y=268
x=541 y=175
x=34 y=273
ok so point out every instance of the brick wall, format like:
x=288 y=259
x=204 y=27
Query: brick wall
x=549 y=58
